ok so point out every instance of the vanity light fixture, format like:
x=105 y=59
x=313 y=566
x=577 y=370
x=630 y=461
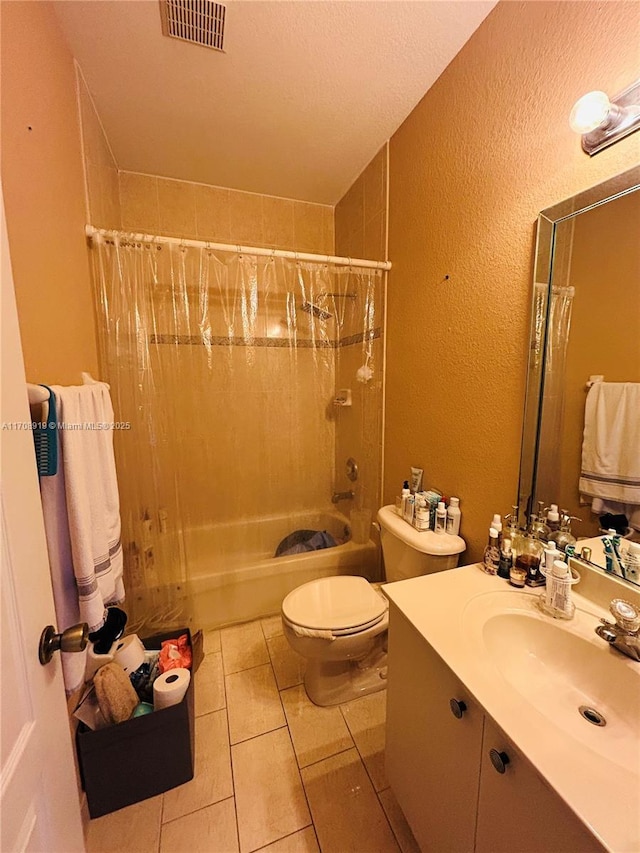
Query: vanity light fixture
x=603 y=121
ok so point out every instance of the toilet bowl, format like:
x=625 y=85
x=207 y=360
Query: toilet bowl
x=334 y=623
x=339 y=624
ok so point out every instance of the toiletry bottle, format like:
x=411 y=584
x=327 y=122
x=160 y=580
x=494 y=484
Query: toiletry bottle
x=513 y=531
x=441 y=518
x=421 y=520
x=403 y=497
x=491 y=560
x=558 y=592
x=409 y=508
x=553 y=518
x=564 y=536
x=506 y=559
x=551 y=554
x=632 y=562
x=528 y=559
x=497 y=526
x=537 y=525
x=453 y=516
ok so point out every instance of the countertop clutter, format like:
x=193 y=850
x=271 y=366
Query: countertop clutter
x=534 y=677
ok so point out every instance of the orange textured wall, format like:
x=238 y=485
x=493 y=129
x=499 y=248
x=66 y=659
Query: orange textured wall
x=43 y=185
x=486 y=149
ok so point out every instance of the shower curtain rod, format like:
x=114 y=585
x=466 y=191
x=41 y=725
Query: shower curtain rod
x=91 y=232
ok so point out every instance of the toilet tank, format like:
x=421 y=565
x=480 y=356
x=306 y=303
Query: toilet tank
x=409 y=553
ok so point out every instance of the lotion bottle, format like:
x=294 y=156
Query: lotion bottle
x=441 y=518
x=453 y=516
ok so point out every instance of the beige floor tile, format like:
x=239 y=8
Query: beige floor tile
x=209 y=695
x=135 y=827
x=270 y=800
x=347 y=814
x=300 y=842
x=243 y=646
x=398 y=821
x=316 y=732
x=272 y=626
x=366 y=720
x=212 y=642
x=253 y=703
x=212 y=780
x=210 y=830
x=288 y=665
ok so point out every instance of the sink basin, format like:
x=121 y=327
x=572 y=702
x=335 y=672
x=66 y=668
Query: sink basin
x=560 y=667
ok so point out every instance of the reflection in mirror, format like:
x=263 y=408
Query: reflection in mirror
x=586 y=322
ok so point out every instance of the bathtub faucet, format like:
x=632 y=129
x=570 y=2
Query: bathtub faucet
x=342 y=496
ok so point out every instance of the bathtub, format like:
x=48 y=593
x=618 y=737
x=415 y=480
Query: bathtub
x=234 y=577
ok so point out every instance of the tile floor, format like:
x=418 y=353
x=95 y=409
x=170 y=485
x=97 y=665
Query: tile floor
x=274 y=773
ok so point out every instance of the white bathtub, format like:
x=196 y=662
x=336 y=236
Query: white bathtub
x=233 y=576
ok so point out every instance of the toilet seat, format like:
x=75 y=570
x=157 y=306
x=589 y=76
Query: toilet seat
x=344 y=605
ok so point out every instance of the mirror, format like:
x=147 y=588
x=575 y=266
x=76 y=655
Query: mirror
x=585 y=322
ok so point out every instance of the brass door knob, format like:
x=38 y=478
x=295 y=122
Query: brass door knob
x=73 y=639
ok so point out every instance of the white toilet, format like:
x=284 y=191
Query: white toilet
x=339 y=624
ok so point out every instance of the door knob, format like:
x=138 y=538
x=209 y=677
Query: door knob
x=72 y=639
x=499 y=760
x=458 y=707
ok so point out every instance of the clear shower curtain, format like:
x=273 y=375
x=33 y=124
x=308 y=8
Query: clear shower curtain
x=225 y=366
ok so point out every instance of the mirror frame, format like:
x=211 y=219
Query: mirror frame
x=548 y=222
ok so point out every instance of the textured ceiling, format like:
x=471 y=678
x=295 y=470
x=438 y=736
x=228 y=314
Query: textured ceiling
x=304 y=96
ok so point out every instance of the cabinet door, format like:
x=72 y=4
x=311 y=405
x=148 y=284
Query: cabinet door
x=432 y=757
x=518 y=811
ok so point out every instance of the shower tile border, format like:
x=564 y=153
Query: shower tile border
x=274 y=343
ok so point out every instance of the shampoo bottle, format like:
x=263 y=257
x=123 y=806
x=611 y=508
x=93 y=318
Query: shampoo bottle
x=422 y=514
x=453 y=516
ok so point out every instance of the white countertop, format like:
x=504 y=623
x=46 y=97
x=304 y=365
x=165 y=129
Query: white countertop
x=601 y=792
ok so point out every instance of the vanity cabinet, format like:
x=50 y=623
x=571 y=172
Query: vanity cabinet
x=440 y=746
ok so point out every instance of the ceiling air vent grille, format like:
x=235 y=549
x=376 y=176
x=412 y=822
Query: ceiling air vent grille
x=197 y=21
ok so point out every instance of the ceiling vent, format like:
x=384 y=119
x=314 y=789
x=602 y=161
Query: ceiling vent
x=197 y=21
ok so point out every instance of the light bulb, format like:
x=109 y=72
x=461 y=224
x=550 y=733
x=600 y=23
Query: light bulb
x=589 y=112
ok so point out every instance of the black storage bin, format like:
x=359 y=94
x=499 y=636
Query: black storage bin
x=141 y=757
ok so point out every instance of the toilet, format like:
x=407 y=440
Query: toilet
x=339 y=624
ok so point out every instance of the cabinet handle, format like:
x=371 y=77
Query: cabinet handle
x=458 y=707
x=499 y=760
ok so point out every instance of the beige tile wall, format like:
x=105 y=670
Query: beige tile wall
x=360 y=226
x=101 y=171
x=197 y=211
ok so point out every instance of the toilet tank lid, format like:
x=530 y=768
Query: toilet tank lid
x=426 y=541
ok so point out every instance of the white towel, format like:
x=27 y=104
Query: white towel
x=82 y=516
x=611 y=444
x=320 y=633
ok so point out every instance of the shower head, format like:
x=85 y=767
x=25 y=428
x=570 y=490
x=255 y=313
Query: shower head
x=318 y=312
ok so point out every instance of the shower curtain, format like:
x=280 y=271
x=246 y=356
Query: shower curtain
x=225 y=367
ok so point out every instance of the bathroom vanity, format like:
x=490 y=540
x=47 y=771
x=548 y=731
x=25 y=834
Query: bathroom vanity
x=486 y=747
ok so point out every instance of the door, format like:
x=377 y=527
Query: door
x=39 y=794
x=517 y=810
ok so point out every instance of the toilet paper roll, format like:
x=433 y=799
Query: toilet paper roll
x=94 y=661
x=170 y=688
x=129 y=653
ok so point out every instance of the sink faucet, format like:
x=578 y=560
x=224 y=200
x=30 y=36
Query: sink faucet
x=342 y=496
x=624 y=635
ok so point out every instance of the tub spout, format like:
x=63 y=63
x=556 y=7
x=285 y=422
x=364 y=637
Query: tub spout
x=342 y=496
